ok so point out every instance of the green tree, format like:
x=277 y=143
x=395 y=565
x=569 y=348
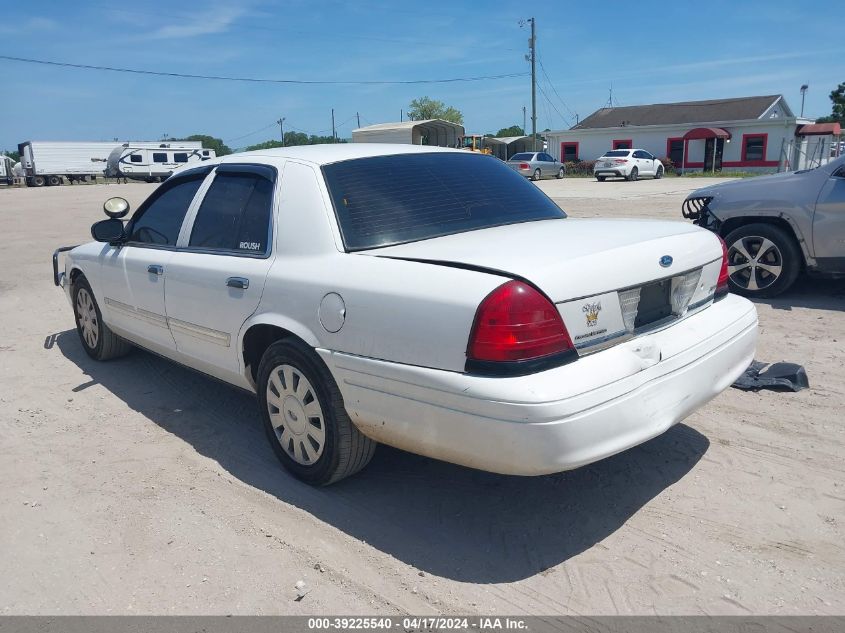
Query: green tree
x=837 y=99
x=209 y=142
x=13 y=154
x=513 y=130
x=292 y=139
x=426 y=108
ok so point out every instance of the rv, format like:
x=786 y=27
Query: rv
x=7 y=176
x=152 y=164
x=50 y=163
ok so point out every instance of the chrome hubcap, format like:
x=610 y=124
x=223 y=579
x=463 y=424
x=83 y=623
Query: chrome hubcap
x=86 y=315
x=754 y=262
x=296 y=415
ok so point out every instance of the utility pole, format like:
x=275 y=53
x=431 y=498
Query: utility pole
x=281 y=123
x=533 y=46
x=401 y=115
x=524 y=124
x=334 y=133
x=803 y=94
x=358 y=116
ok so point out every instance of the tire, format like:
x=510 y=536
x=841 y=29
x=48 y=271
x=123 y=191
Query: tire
x=536 y=175
x=99 y=341
x=659 y=174
x=38 y=181
x=634 y=175
x=763 y=260
x=54 y=181
x=336 y=448
x=601 y=178
x=561 y=173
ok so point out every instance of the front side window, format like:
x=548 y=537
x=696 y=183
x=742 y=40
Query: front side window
x=159 y=222
x=159 y=157
x=235 y=214
x=387 y=200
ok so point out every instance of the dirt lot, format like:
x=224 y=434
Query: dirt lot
x=140 y=487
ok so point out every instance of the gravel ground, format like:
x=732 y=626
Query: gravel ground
x=137 y=486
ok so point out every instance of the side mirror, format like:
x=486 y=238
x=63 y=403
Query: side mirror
x=110 y=230
x=116 y=207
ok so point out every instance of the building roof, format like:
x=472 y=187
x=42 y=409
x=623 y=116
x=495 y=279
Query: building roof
x=404 y=125
x=742 y=108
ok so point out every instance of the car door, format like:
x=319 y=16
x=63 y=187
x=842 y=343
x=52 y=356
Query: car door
x=133 y=273
x=216 y=277
x=640 y=163
x=829 y=222
x=648 y=163
x=549 y=167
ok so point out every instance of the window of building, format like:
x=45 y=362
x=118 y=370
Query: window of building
x=235 y=214
x=623 y=144
x=754 y=147
x=675 y=150
x=135 y=158
x=568 y=152
x=159 y=157
x=159 y=223
x=180 y=157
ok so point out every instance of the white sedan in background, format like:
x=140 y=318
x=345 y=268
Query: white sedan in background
x=629 y=164
x=426 y=298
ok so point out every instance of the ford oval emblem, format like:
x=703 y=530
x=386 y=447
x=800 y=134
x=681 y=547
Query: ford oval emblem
x=666 y=261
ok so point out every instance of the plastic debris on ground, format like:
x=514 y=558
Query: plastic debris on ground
x=777 y=376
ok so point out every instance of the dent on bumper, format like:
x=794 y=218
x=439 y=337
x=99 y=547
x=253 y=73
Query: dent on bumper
x=559 y=419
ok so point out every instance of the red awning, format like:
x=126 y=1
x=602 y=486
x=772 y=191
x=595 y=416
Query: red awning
x=706 y=132
x=819 y=129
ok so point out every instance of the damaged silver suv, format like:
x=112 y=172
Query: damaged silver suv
x=777 y=227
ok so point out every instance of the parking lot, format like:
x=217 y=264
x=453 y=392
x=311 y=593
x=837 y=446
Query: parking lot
x=137 y=486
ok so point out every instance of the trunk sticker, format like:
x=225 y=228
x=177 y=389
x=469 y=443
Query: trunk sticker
x=592 y=319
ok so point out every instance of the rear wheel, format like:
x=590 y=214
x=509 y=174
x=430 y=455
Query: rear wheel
x=536 y=175
x=54 y=181
x=304 y=416
x=99 y=341
x=634 y=175
x=561 y=173
x=763 y=260
x=601 y=178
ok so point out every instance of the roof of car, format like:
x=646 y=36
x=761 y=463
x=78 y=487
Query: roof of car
x=333 y=153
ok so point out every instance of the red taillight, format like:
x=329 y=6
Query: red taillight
x=515 y=323
x=524 y=166
x=620 y=161
x=722 y=283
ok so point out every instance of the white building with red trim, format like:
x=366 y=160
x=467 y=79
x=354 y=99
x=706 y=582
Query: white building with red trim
x=742 y=134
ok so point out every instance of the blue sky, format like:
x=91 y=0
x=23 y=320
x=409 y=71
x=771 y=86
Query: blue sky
x=649 y=52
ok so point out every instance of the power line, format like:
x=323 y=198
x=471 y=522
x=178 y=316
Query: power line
x=258 y=79
x=552 y=86
x=238 y=138
x=565 y=120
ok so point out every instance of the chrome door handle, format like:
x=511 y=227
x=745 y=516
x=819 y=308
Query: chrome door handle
x=155 y=269
x=238 y=282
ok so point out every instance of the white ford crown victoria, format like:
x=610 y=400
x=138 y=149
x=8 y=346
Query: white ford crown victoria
x=429 y=299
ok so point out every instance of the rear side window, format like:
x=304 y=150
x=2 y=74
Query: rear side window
x=160 y=221
x=159 y=157
x=235 y=215
x=388 y=200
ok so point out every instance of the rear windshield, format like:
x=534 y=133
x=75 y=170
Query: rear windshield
x=388 y=200
x=618 y=152
x=521 y=157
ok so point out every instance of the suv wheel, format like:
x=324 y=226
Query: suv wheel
x=304 y=416
x=763 y=260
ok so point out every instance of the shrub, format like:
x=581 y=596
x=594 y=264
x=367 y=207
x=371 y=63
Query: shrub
x=580 y=167
x=668 y=165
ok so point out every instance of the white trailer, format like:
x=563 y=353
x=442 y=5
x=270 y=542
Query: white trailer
x=155 y=164
x=7 y=176
x=49 y=163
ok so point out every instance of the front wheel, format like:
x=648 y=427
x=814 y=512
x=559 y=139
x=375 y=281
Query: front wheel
x=659 y=173
x=763 y=260
x=304 y=416
x=99 y=341
x=536 y=175
x=561 y=173
x=634 y=175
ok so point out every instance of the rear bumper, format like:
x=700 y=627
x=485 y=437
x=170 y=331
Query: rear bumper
x=610 y=172
x=558 y=419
